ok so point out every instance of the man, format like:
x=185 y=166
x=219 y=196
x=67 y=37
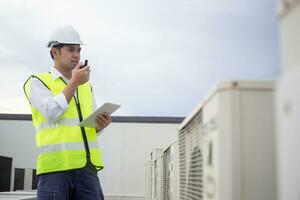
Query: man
x=68 y=155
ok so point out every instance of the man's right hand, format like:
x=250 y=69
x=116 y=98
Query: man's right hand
x=80 y=76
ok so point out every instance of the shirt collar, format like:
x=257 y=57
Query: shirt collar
x=56 y=74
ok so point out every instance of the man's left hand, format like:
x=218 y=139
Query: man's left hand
x=102 y=121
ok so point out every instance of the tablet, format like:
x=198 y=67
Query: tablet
x=90 y=121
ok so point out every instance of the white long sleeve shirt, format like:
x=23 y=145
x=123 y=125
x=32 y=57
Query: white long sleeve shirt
x=42 y=99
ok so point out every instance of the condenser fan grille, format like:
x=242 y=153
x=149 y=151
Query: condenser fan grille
x=182 y=164
x=189 y=159
x=195 y=176
x=166 y=174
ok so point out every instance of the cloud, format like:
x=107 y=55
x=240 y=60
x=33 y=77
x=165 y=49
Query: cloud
x=153 y=57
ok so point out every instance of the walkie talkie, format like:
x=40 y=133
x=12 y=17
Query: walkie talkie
x=84 y=65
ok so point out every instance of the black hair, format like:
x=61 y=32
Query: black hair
x=57 y=46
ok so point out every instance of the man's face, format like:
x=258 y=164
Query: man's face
x=68 y=56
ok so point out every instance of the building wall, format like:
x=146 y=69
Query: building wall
x=18 y=141
x=125 y=148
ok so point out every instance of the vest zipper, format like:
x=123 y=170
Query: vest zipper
x=86 y=145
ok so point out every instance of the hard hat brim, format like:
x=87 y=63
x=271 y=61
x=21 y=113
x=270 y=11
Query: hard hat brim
x=51 y=44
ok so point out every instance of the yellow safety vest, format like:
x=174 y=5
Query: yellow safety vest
x=62 y=144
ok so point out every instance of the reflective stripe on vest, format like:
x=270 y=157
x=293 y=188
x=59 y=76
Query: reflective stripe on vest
x=60 y=143
x=65 y=146
x=55 y=124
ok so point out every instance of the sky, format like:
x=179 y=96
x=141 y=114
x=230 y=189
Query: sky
x=154 y=58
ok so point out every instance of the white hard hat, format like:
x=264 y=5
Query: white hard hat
x=64 y=35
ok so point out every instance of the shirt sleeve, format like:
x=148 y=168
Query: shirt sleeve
x=42 y=99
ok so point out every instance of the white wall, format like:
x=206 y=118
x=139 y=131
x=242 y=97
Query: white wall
x=288 y=106
x=125 y=148
x=17 y=140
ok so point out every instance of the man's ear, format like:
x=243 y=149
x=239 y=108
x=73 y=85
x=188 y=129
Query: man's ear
x=54 y=52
